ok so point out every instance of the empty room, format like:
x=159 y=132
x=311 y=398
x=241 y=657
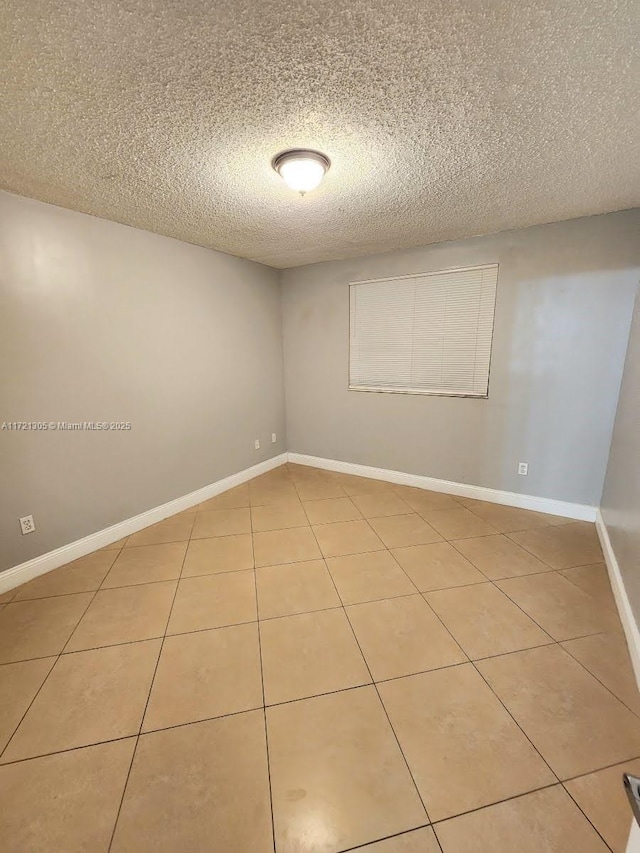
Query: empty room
x=319 y=426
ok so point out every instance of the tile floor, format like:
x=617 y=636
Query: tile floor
x=316 y=662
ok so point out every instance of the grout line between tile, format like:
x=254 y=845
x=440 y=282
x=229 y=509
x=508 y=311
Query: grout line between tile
x=127 y=547
x=344 y=608
x=522 y=610
x=68 y=749
x=374 y=685
x=559 y=643
x=264 y=709
x=494 y=693
x=524 y=548
x=28 y=708
x=599 y=769
x=551 y=642
x=386 y=838
x=592 y=674
x=534 y=747
x=586 y=816
x=516 y=797
x=146 y=704
x=57 y=658
x=583 y=566
x=452 y=542
x=557 y=784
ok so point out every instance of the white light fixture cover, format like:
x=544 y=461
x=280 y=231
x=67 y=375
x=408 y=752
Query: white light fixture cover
x=302 y=170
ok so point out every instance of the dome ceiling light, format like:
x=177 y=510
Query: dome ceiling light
x=301 y=169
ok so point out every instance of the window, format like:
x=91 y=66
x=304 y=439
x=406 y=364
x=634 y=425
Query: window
x=423 y=334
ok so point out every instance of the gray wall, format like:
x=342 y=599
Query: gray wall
x=99 y=321
x=621 y=497
x=564 y=305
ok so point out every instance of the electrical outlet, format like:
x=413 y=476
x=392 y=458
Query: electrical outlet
x=274 y=438
x=256 y=444
x=523 y=468
x=27 y=524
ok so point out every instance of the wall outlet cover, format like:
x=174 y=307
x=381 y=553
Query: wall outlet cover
x=27 y=524
x=523 y=468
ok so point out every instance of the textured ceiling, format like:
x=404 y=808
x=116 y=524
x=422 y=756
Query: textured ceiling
x=442 y=119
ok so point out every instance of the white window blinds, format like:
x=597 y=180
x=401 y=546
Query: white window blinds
x=423 y=334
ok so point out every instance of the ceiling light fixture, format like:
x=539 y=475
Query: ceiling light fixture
x=302 y=170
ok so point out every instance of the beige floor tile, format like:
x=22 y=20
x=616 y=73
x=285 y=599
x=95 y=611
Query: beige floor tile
x=484 y=621
x=206 y=674
x=124 y=615
x=381 y=504
x=417 y=841
x=507 y=519
x=559 y=606
x=368 y=577
x=322 y=486
x=65 y=802
x=294 y=588
x=401 y=636
x=115 y=546
x=272 y=493
x=542 y=821
x=146 y=564
x=221 y=522
x=235 y=498
x=83 y=575
x=6 y=597
x=295 y=469
x=89 y=697
x=606 y=656
x=19 y=683
x=437 y=566
x=299 y=472
x=36 y=629
x=423 y=500
x=499 y=557
x=338 y=778
x=363 y=485
x=602 y=798
x=285 y=546
x=458 y=523
x=591 y=579
x=332 y=509
x=176 y=528
x=279 y=474
x=199 y=787
x=213 y=601
x=309 y=654
x=398 y=531
x=221 y=554
x=563 y=546
x=278 y=516
x=452 y=729
x=347 y=537
x=575 y=723
x=321 y=489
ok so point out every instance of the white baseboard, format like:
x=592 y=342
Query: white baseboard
x=581 y=512
x=631 y=631
x=24 y=572
x=633 y=844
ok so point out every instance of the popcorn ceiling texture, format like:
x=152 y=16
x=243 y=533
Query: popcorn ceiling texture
x=442 y=119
